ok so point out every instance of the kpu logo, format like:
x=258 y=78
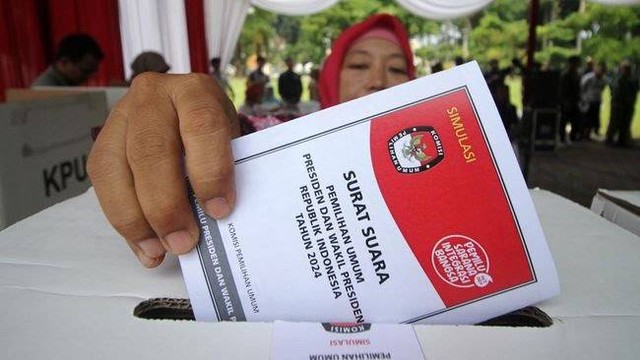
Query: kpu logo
x=415 y=149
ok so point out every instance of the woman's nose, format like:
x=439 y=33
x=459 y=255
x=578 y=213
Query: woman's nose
x=377 y=78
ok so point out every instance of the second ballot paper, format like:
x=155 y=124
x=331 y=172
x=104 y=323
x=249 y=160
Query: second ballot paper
x=406 y=205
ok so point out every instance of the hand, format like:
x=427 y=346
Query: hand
x=136 y=164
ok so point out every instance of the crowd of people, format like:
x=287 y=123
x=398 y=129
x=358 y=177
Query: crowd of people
x=139 y=180
x=261 y=108
x=579 y=90
x=581 y=98
x=577 y=93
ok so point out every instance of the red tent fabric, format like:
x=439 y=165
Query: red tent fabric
x=198 y=53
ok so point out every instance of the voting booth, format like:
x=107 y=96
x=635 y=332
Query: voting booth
x=44 y=146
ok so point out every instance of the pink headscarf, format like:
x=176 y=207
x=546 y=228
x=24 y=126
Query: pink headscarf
x=383 y=26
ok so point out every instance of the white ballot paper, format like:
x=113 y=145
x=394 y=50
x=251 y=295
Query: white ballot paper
x=406 y=205
x=342 y=341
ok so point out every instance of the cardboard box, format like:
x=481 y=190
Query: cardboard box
x=113 y=94
x=44 y=146
x=69 y=285
x=620 y=207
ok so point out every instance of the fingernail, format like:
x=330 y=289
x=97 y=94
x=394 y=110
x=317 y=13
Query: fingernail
x=180 y=242
x=152 y=248
x=217 y=208
x=149 y=262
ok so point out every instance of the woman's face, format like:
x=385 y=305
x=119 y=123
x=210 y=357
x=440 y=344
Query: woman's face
x=370 y=65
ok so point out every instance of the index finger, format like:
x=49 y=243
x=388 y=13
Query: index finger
x=206 y=128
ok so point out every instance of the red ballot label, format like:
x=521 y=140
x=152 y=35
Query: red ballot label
x=438 y=177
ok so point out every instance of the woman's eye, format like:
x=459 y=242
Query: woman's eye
x=358 y=66
x=398 y=70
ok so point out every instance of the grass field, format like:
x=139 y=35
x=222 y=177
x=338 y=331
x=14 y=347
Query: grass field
x=239 y=86
x=515 y=86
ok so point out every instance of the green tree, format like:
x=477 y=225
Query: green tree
x=612 y=33
x=256 y=38
x=568 y=27
x=308 y=38
x=495 y=38
x=288 y=30
x=606 y=33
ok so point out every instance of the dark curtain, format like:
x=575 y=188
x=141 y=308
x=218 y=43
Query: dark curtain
x=24 y=50
x=31 y=29
x=196 y=32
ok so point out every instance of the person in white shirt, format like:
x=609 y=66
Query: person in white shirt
x=591 y=86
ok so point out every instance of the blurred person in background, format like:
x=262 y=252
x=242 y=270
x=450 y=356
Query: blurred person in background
x=569 y=100
x=221 y=78
x=253 y=99
x=258 y=76
x=290 y=87
x=77 y=58
x=148 y=61
x=592 y=85
x=624 y=89
x=314 y=94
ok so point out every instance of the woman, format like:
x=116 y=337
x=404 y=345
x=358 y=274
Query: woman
x=168 y=123
x=367 y=57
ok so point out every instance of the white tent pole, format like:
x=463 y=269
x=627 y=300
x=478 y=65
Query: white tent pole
x=223 y=23
x=173 y=31
x=157 y=26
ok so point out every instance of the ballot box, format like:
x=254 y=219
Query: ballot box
x=69 y=286
x=44 y=146
x=112 y=93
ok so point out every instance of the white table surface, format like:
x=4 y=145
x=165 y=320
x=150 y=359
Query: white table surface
x=68 y=286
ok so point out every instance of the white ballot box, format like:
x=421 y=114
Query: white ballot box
x=44 y=146
x=69 y=285
x=621 y=207
x=112 y=93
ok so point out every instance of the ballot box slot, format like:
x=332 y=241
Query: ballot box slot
x=180 y=309
x=164 y=309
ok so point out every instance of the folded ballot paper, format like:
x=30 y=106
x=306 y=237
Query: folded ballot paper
x=403 y=206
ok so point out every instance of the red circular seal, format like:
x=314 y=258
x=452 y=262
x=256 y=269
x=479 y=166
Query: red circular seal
x=461 y=261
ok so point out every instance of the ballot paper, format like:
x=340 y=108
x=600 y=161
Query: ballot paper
x=403 y=206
